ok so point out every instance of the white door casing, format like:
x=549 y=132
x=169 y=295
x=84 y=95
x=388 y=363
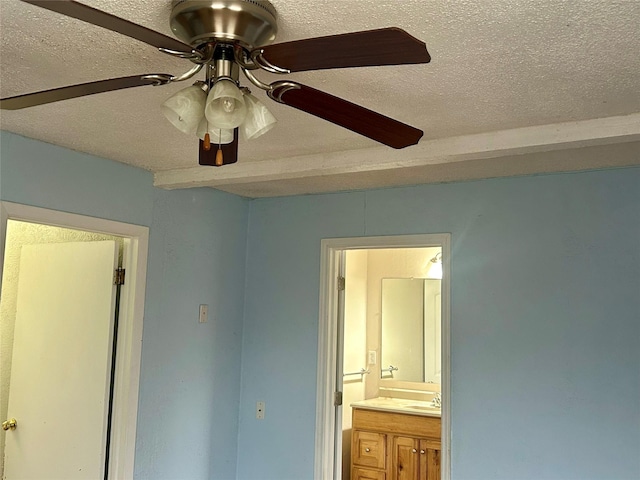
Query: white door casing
x=60 y=372
x=131 y=315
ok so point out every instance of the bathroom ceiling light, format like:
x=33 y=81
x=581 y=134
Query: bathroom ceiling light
x=434 y=270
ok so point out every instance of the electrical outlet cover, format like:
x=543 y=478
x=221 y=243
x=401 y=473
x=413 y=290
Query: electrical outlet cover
x=260 y=410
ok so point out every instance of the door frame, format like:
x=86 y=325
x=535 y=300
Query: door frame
x=129 y=346
x=325 y=460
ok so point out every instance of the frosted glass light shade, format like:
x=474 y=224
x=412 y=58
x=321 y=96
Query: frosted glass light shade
x=216 y=135
x=259 y=119
x=225 y=106
x=185 y=109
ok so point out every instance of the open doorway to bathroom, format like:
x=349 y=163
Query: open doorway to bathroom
x=384 y=359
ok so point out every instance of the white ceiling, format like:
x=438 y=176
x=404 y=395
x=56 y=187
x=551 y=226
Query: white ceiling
x=514 y=87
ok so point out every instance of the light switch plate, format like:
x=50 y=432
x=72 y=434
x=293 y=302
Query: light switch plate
x=372 y=358
x=204 y=314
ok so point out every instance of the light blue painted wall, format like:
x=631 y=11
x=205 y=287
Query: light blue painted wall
x=545 y=315
x=188 y=426
x=44 y=175
x=189 y=383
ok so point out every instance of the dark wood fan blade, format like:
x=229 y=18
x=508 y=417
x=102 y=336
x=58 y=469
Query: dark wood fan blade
x=74 y=91
x=229 y=152
x=111 y=22
x=346 y=114
x=386 y=46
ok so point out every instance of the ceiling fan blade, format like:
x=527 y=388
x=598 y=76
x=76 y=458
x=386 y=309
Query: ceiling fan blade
x=229 y=152
x=74 y=91
x=111 y=22
x=385 y=46
x=346 y=114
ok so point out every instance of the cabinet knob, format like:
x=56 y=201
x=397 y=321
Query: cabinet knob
x=421 y=452
x=367 y=450
x=414 y=450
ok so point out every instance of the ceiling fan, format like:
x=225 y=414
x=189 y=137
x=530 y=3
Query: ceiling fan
x=226 y=37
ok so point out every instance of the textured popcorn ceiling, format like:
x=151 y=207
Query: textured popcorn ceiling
x=508 y=81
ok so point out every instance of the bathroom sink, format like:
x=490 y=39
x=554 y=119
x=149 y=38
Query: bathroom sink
x=414 y=407
x=425 y=408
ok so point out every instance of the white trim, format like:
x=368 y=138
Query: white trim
x=327 y=341
x=326 y=376
x=125 y=407
x=439 y=151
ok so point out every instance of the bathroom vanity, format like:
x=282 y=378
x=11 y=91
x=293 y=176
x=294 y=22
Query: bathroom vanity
x=395 y=440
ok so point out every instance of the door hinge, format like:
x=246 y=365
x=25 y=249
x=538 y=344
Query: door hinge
x=341 y=283
x=337 y=399
x=118 y=276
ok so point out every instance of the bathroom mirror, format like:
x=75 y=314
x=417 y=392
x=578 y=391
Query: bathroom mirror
x=410 y=337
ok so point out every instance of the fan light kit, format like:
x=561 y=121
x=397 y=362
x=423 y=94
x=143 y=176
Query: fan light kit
x=226 y=37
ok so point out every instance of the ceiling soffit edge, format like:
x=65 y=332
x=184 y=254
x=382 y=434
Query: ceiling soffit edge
x=560 y=136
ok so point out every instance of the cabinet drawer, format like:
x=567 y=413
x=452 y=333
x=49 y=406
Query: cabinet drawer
x=367 y=474
x=369 y=449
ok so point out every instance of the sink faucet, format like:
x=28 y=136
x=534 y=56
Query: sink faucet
x=437 y=400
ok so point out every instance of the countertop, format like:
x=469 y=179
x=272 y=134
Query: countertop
x=399 y=405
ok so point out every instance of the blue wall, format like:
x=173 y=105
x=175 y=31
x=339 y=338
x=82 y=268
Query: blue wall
x=189 y=382
x=43 y=175
x=545 y=322
x=188 y=417
x=545 y=314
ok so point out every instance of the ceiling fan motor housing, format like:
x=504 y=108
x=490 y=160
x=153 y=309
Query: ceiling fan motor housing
x=250 y=23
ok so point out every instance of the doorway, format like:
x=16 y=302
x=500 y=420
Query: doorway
x=50 y=228
x=344 y=373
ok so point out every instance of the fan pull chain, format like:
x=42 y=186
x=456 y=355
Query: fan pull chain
x=219 y=159
x=207 y=142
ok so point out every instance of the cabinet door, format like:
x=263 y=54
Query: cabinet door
x=405 y=459
x=368 y=449
x=367 y=474
x=429 y=460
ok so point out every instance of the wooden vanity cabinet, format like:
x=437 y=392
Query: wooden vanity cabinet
x=394 y=446
x=415 y=459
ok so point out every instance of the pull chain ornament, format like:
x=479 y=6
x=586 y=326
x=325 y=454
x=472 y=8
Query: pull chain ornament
x=219 y=159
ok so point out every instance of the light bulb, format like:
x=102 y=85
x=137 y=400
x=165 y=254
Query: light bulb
x=225 y=107
x=228 y=105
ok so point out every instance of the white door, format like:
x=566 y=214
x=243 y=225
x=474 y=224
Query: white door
x=60 y=372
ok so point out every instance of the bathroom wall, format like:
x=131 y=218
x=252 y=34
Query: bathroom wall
x=389 y=263
x=545 y=330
